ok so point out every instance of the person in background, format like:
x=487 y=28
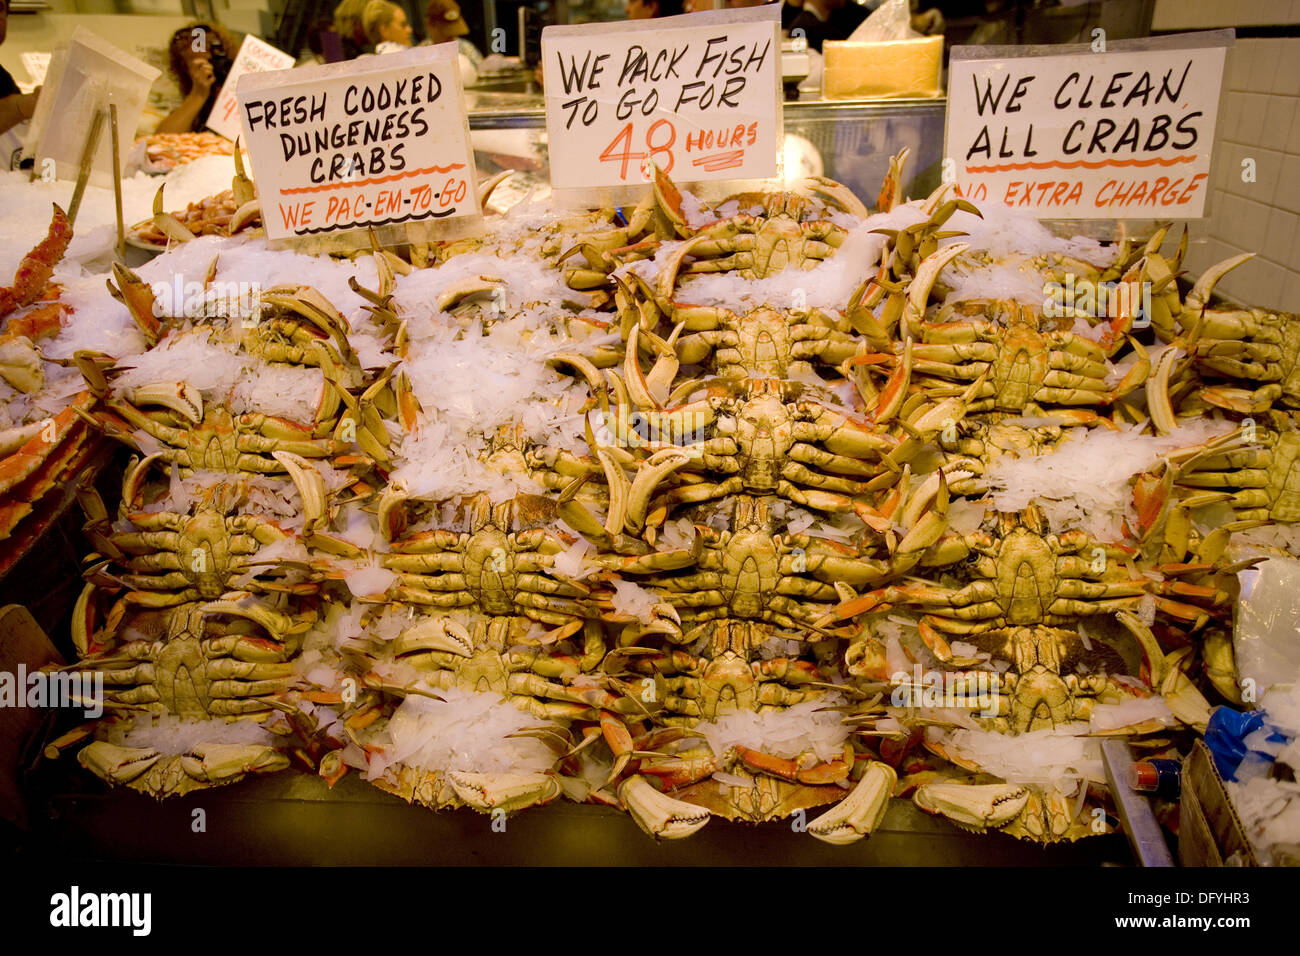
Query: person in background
x=16 y=107
x=386 y=26
x=823 y=20
x=347 y=24
x=649 y=9
x=790 y=11
x=443 y=22
x=314 y=55
x=200 y=58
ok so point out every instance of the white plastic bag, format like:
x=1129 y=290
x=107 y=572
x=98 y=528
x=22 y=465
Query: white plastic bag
x=892 y=20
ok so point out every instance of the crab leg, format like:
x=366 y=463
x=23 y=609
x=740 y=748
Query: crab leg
x=37 y=266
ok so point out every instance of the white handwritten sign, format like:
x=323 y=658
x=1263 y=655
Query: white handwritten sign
x=374 y=142
x=698 y=95
x=255 y=56
x=85 y=77
x=1124 y=134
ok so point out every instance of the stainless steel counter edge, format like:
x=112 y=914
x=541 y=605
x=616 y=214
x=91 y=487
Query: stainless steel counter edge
x=523 y=111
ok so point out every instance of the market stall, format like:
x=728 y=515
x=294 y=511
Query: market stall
x=806 y=492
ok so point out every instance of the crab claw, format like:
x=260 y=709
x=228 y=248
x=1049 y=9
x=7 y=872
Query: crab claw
x=1153 y=658
x=1136 y=376
x=435 y=634
x=894 y=394
x=659 y=815
x=1151 y=493
x=95 y=368
x=1199 y=297
x=308 y=303
x=860 y=312
x=477 y=285
x=310 y=485
x=837 y=195
x=861 y=811
x=1162 y=411
x=20 y=365
x=504 y=791
x=1182 y=697
x=488 y=186
x=278 y=624
x=391 y=510
x=84 y=614
x=168 y=224
x=137 y=295
x=668 y=200
x=117 y=764
x=918 y=292
x=245 y=214
x=1241 y=400
x=891 y=189
x=180 y=397
x=865 y=659
x=655 y=469
x=1220 y=666
x=974 y=807
x=219 y=763
x=241 y=185
x=933 y=201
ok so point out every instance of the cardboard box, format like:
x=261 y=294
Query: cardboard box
x=1209 y=830
x=895 y=68
x=21 y=642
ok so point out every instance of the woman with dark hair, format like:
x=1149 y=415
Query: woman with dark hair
x=201 y=56
x=16 y=107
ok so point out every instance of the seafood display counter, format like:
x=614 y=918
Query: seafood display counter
x=848 y=141
x=800 y=525
x=295 y=820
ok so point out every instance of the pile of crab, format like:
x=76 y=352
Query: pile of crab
x=49 y=447
x=44 y=444
x=757 y=509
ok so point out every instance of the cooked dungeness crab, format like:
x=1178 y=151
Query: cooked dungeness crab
x=672 y=796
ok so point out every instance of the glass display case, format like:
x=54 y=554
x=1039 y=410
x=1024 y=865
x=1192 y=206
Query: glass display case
x=848 y=141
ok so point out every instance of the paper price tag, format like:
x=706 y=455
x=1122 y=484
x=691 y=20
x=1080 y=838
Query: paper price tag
x=381 y=141
x=254 y=56
x=698 y=95
x=1124 y=134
